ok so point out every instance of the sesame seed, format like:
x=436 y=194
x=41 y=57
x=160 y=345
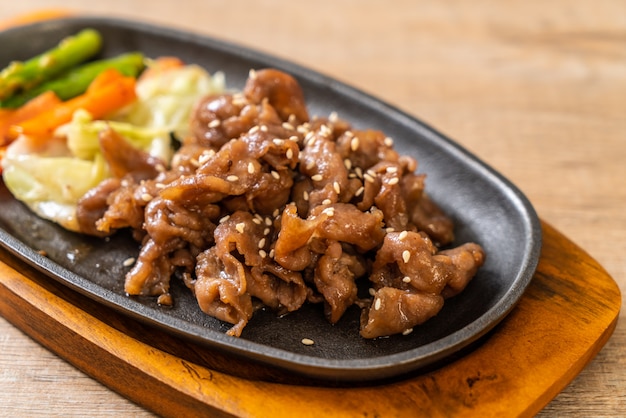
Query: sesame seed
x=268 y=222
x=128 y=262
x=348 y=163
x=232 y=177
x=377 y=304
x=326 y=202
x=288 y=125
x=337 y=188
x=359 y=172
x=354 y=144
x=406 y=279
x=251 y=168
x=160 y=168
x=224 y=219
x=325 y=130
x=215 y=123
x=125 y=183
x=329 y=211
x=305 y=195
x=262 y=243
x=389 y=142
x=360 y=191
x=262 y=253
x=292 y=119
x=294 y=138
x=349 y=134
x=263 y=128
x=371 y=173
x=276 y=213
x=390 y=230
x=240 y=227
x=194 y=162
x=307 y=341
x=146 y=197
x=371 y=291
x=272 y=253
x=368 y=177
x=310 y=165
x=406 y=256
x=257 y=221
x=392 y=170
x=317 y=177
x=403 y=235
x=333 y=116
x=275 y=175
x=407 y=331
x=254 y=129
x=252 y=74
x=159 y=185
x=266 y=231
x=394 y=181
x=278 y=141
x=289 y=154
x=204 y=158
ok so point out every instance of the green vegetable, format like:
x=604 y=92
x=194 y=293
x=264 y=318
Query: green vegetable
x=71 y=51
x=167 y=100
x=52 y=179
x=76 y=80
x=42 y=183
x=83 y=143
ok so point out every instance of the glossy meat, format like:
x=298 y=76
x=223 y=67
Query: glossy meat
x=263 y=205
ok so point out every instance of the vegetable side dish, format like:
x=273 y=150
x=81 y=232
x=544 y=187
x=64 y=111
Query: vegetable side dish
x=243 y=196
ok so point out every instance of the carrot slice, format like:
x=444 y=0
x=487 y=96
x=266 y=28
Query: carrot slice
x=29 y=110
x=5 y=114
x=161 y=64
x=99 y=102
x=107 y=76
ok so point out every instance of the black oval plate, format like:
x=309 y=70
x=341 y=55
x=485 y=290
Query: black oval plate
x=486 y=207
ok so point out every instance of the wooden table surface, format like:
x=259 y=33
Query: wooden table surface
x=535 y=89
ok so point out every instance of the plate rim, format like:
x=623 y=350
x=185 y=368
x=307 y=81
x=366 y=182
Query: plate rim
x=344 y=369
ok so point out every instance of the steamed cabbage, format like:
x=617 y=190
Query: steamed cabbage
x=51 y=179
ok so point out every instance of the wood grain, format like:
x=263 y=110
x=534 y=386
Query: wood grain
x=563 y=320
x=535 y=89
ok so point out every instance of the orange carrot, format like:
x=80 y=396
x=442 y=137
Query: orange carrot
x=98 y=102
x=160 y=65
x=16 y=21
x=107 y=76
x=5 y=114
x=29 y=110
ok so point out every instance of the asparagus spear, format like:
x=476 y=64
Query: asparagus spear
x=75 y=81
x=73 y=50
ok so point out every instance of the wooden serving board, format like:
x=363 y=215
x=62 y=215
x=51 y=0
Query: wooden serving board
x=567 y=314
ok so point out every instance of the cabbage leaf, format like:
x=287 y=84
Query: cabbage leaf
x=51 y=179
